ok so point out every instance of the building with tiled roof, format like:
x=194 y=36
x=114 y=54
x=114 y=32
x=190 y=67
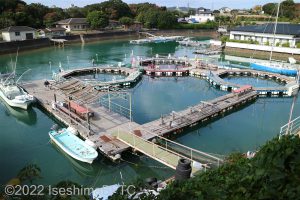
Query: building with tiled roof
x=285 y=33
x=73 y=24
x=18 y=33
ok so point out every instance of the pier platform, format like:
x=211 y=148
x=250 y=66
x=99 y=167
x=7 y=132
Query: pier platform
x=113 y=132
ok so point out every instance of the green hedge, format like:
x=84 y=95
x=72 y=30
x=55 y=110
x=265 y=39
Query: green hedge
x=298 y=45
x=286 y=44
x=244 y=41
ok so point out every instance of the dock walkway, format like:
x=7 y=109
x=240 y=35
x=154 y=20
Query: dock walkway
x=113 y=133
x=201 y=112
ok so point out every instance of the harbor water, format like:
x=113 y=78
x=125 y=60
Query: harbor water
x=24 y=134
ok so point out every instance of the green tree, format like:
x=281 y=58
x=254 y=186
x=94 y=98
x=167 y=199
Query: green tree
x=10 y=5
x=114 y=9
x=37 y=12
x=166 y=20
x=126 y=21
x=75 y=12
x=288 y=9
x=50 y=19
x=269 y=8
x=97 y=19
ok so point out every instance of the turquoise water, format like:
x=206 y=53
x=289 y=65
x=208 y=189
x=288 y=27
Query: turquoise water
x=24 y=135
x=254 y=81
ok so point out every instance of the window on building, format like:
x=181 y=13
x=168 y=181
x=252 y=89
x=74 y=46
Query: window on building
x=17 y=34
x=237 y=37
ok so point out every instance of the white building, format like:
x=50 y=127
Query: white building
x=225 y=10
x=202 y=15
x=263 y=34
x=73 y=24
x=52 y=32
x=17 y=33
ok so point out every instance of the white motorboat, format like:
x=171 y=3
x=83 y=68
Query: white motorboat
x=73 y=145
x=15 y=96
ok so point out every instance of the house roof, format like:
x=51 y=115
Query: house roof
x=284 y=29
x=73 y=21
x=17 y=29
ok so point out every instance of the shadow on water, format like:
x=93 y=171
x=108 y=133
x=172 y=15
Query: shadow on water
x=84 y=169
x=28 y=117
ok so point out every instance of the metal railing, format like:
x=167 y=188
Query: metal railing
x=175 y=148
x=291 y=128
x=116 y=107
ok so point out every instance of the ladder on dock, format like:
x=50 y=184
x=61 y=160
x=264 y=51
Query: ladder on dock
x=169 y=152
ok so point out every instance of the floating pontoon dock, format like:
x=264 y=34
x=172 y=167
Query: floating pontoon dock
x=113 y=132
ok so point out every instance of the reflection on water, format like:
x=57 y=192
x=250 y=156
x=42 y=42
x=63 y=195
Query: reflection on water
x=27 y=117
x=254 y=81
x=84 y=169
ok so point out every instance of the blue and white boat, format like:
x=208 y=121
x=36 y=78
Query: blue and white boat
x=274 y=68
x=73 y=145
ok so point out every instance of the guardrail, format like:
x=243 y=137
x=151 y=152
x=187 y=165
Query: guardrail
x=178 y=149
x=291 y=128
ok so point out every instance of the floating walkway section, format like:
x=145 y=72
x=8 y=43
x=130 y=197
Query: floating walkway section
x=167 y=153
x=132 y=76
x=175 y=122
x=194 y=43
x=289 y=88
x=155 y=39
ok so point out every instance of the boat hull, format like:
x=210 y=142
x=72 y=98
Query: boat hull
x=71 y=153
x=15 y=103
x=261 y=67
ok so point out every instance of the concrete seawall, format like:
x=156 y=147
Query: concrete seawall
x=98 y=36
x=12 y=47
x=258 y=54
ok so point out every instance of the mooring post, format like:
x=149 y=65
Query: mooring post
x=69 y=105
x=109 y=101
x=130 y=107
x=88 y=118
x=173 y=115
x=162 y=119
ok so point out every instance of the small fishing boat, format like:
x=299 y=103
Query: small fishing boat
x=14 y=95
x=73 y=145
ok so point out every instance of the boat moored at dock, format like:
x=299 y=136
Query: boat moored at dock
x=268 y=67
x=15 y=96
x=73 y=145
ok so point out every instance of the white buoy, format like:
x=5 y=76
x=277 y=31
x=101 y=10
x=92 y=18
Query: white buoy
x=117 y=156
